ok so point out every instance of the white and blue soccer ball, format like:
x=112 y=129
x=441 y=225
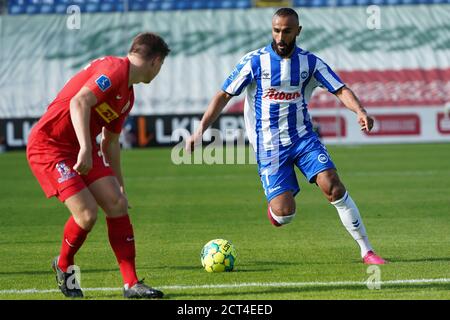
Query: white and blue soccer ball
x=218 y=255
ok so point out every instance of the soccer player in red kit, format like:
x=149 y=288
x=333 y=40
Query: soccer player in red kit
x=63 y=155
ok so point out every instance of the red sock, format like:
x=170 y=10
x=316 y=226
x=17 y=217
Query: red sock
x=121 y=238
x=73 y=239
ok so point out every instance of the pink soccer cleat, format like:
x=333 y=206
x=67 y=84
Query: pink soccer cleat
x=272 y=220
x=372 y=258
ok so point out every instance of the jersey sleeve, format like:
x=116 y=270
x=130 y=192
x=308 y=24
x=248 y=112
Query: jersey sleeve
x=116 y=125
x=239 y=78
x=104 y=80
x=326 y=77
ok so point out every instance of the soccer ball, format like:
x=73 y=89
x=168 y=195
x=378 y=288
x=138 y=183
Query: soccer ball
x=218 y=255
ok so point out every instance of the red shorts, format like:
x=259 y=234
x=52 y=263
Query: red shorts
x=54 y=169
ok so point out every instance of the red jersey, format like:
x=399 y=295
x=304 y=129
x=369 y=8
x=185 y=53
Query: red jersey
x=107 y=78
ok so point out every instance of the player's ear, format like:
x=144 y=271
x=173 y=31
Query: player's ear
x=158 y=60
x=154 y=60
x=299 y=30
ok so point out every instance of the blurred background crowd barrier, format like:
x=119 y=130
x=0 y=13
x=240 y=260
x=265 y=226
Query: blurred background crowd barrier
x=395 y=54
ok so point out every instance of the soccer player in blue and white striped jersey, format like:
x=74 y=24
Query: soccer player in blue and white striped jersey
x=280 y=79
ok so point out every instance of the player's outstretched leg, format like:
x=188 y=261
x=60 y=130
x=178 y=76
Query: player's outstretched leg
x=348 y=212
x=67 y=282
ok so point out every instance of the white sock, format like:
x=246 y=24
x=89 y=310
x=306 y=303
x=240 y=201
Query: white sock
x=281 y=219
x=351 y=219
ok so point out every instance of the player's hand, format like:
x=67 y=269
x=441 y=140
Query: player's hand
x=365 y=121
x=84 y=162
x=193 y=141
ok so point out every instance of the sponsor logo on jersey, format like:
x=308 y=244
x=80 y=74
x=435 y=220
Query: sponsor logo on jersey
x=233 y=74
x=304 y=75
x=322 y=158
x=273 y=94
x=274 y=189
x=64 y=171
x=106 y=112
x=103 y=82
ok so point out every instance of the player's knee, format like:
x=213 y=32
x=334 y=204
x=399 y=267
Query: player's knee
x=283 y=211
x=117 y=206
x=337 y=192
x=122 y=203
x=285 y=218
x=87 y=217
x=331 y=185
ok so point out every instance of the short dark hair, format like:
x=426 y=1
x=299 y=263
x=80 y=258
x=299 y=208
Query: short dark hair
x=149 y=45
x=284 y=12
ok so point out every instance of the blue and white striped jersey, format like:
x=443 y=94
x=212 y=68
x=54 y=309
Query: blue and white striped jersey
x=278 y=92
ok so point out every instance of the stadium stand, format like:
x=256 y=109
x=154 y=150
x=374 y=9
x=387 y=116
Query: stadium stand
x=344 y=3
x=91 y=6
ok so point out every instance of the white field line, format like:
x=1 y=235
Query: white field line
x=250 y=284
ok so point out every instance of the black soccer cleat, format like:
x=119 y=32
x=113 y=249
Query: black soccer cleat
x=67 y=282
x=141 y=291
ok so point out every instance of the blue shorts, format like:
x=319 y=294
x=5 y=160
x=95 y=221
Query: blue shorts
x=278 y=174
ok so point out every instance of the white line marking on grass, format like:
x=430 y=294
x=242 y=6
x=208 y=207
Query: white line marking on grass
x=248 y=285
x=303 y=284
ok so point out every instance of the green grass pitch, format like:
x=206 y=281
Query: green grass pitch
x=402 y=192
